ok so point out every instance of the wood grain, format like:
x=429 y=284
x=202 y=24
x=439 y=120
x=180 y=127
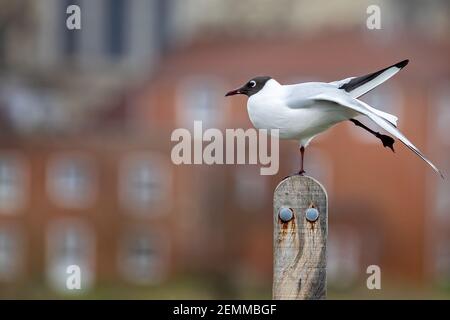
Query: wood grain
x=300 y=254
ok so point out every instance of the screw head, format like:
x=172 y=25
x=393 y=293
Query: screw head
x=312 y=214
x=286 y=214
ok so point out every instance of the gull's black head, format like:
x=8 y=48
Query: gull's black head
x=251 y=87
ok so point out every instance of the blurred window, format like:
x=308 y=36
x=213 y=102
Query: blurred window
x=71 y=181
x=162 y=11
x=200 y=98
x=31 y=109
x=144 y=183
x=115 y=26
x=442 y=115
x=440 y=137
x=12 y=183
x=142 y=257
x=69 y=37
x=10 y=255
x=70 y=242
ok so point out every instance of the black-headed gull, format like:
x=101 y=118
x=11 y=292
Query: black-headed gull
x=302 y=111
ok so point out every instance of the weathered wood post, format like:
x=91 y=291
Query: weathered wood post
x=300 y=239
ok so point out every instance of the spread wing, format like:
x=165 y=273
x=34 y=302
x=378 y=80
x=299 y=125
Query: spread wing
x=358 y=86
x=296 y=97
x=346 y=101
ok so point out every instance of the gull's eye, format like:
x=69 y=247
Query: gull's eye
x=252 y=84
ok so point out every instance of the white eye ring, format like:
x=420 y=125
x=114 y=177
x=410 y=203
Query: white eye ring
x=252 y=83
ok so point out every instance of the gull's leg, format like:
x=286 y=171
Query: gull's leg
x=387 y=141
x=302 y=156
x=302 y=171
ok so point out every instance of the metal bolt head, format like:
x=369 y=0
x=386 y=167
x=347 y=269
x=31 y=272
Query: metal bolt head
x=312 y=214
x=285 y=214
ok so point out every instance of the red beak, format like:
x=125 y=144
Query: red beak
x=233 y=92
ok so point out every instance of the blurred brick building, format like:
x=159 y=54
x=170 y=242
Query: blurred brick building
x=85 y=170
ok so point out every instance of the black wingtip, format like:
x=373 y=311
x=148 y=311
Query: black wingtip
x=402 y=64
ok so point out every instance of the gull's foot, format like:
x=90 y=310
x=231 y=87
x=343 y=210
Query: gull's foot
x=387 y=141
x=300 y=173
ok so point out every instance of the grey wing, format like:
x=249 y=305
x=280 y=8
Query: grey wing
x=298 y=96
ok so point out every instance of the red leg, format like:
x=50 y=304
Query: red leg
x=302 y=155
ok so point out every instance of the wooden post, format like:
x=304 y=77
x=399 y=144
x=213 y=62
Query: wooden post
x=300 y=241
